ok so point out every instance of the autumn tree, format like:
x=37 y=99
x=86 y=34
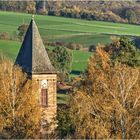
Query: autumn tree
x=26 y=6
x=19 y=107
x=107 y=104
x=30 y=6
x=5 y=36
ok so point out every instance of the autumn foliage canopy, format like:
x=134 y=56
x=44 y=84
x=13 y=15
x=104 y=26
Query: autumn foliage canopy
x=19 y=108
x=107 y=104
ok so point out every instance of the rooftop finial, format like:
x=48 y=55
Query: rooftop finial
x=33 y=17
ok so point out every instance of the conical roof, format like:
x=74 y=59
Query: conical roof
x=33 y=57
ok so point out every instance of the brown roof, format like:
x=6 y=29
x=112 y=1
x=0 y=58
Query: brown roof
x=33 y=57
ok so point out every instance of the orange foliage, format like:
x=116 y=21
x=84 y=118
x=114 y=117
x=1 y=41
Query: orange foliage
x=107 y=105
x=19 y=108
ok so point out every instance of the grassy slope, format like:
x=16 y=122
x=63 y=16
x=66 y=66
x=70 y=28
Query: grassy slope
x=80 y=60
x=67 y=29
x=10 y=48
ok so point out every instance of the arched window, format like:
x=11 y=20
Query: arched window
x=44 y=93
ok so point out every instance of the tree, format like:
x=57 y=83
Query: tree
x=22 y=30
x=61 y=59
x=30 y=6
x=5 y=36
x=131 y=16
x=107 y=104
x=19 y=107
x=41 y=7
x=65 y=129
x=124 y=51
x=92 y=48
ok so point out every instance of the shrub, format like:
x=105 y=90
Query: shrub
x=4 y=36
x=22 y=30
x=65 y=128
x=92 y=48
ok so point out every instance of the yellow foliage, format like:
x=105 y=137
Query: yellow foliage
x=107 y=105
x=19 y=107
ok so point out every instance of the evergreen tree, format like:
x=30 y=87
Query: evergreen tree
x=61 y=59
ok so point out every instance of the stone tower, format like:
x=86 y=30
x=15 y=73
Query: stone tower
x=34 y=60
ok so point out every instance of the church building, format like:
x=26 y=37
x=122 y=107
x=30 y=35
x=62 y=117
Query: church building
x=34 y=60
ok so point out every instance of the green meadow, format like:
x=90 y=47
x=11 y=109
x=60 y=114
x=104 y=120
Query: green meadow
x=68 y=29
x=9 y=48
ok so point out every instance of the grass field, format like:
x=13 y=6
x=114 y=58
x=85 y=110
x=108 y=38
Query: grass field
x=80 y=59
x=68 y=29
x=9 y=48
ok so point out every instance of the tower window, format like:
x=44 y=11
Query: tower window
x=44 y=93
x=44 y=97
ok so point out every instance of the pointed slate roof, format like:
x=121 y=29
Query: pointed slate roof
x=32 y=56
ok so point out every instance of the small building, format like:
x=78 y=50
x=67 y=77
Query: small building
x=34 y=60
